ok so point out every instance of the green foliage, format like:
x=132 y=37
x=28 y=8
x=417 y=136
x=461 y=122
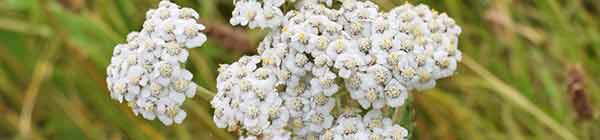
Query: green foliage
x=514 y=82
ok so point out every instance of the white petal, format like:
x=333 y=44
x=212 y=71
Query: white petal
x=395 y=102
x=145 y=93
x=148 y=115
x=196 y=41
x=177 y=97
x=133 y=89
x=200 y=26
x=344 y=73
x=186 y=75
x=116 y=96
x=129 y=97
x=163 y=81
x=180 y=116
x=378 y=104
x=191 y=91
x=166 y=120
x=183 y=55
x=364 y=103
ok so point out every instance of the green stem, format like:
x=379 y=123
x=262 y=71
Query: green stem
x=205 y=93
x=396 y=115
x=206 y=118
x=511 y=94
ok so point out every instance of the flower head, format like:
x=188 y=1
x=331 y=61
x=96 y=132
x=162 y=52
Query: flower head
x=315 y=52
x=148 y=70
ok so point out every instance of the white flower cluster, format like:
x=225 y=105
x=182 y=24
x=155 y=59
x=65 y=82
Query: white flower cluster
x=373 y=126
x=254 y=14
x=148 y=70
x=288 y=90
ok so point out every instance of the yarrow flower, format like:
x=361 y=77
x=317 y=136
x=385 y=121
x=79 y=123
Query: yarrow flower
x=148 y=71
x=315 y=52
x=373 y=126
x=252 y=13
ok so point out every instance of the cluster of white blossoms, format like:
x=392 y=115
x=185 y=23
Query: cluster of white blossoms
x=255 y=14
x=370 y=127
x=314 y=52
x=148 y=70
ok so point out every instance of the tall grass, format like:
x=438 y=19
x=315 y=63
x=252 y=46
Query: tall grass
x=514 y=83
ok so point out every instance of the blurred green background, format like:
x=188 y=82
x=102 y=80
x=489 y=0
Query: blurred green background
x=530 y=71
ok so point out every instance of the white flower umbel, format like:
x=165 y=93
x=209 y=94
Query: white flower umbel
x=314 y=53
x=254 y=13
x=148 y=71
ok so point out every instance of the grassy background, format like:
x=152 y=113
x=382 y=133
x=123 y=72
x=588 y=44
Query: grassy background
x=530 y=71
